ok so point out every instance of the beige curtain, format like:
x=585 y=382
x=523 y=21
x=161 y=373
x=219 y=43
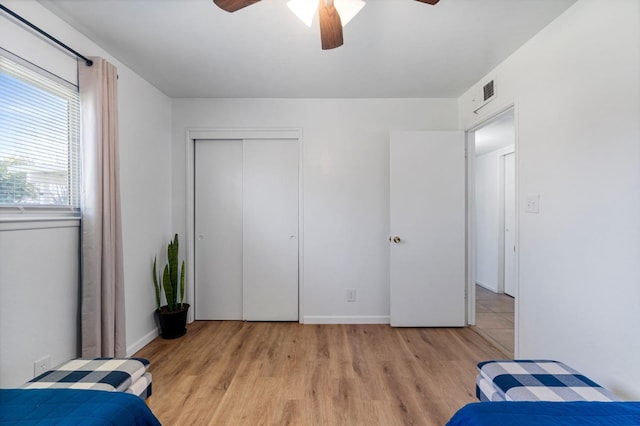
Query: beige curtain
x=102 y=289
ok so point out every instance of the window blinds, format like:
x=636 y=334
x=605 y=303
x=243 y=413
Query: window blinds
x=39 y=139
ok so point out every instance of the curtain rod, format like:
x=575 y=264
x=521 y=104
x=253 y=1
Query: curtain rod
x=86 y=60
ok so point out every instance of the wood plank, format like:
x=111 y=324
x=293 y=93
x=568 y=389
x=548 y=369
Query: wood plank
x=234 y=372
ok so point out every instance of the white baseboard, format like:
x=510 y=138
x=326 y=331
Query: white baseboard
x=487 y=286
x=142 y=342
x=364 y=319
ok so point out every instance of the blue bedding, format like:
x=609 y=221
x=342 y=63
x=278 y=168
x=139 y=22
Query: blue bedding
x=73 y=407
x=524 y=413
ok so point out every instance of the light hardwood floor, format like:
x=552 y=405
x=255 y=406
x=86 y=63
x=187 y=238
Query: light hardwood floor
x=245 y=373
x=495 y=319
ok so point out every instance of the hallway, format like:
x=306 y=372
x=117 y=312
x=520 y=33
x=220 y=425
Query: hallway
x=495 y=319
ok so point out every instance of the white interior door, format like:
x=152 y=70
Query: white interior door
x=270 y=229
x=427 y=214
x=509 y=225
x=218 y=229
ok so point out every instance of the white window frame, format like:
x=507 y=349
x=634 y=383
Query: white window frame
x=12 y=213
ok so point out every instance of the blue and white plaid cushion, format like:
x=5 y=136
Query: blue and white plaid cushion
x=485 y=391
x=110 y=374
x=538 y=380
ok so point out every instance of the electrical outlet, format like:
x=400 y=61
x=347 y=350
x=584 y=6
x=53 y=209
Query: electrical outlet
x=351 y=295
x=42 y=365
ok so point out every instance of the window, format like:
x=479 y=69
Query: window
x=39 y=140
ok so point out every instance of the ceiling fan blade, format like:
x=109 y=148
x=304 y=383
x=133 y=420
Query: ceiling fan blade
x=233 y=5
x=330 y=25
x=429 y=1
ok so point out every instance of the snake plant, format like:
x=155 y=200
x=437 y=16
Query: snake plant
x=173 y=288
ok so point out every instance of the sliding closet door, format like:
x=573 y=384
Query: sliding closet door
x=218 y=229
x=246 y=228
x=270 y=230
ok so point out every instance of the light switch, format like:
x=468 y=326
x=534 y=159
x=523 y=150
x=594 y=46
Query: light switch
x=533 y=203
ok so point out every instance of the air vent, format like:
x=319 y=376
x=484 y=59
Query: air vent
x=484 y=95
x=488 y=91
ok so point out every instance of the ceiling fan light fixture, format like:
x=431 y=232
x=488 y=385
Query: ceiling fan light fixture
x=305 y=10
x=347 y=9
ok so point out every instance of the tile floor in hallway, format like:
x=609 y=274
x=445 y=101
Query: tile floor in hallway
x=495 y=318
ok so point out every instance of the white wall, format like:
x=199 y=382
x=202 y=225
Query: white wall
x=489 y=203
x=346 y=186
x=145 y=179
x=145 y=167
x=38 y=297
x=577 y=95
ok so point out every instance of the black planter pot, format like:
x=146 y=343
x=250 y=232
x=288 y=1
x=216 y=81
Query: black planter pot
x=172 y=324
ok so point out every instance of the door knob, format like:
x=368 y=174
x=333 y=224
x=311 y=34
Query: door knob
x=395 y=239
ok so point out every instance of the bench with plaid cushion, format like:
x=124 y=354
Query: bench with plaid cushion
x=128 y=375
x=536 y=380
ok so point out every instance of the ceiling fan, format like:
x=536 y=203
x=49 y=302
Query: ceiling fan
x=330 y=23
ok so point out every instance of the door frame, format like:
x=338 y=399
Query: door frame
x=502 y=220
x=193 y=134
x=471 y=217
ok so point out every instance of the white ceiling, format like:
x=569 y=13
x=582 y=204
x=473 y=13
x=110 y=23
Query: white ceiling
x=392 y=48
